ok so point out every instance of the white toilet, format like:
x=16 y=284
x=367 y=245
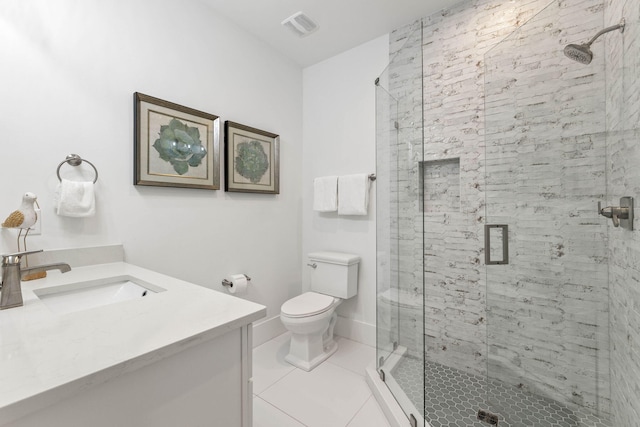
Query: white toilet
x=311 y=316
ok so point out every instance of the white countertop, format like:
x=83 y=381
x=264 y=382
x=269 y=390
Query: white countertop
x=46 y=357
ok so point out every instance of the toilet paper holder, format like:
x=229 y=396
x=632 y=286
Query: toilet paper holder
x=225 y=282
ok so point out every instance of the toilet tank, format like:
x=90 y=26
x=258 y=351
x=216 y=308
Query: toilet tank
x=335 y=274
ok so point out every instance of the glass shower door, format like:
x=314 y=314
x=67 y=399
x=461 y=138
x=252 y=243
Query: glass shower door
x=545 y=245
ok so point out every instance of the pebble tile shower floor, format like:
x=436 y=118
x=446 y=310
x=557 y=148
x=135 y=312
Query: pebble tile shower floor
x=453 y=398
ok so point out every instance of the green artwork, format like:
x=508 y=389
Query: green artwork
x=180 y=145
x=251 y=161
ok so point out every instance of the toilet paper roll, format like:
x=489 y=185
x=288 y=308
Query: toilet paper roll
x=238 y=283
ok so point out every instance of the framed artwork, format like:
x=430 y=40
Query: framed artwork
x=251 y=159
x=175 y=146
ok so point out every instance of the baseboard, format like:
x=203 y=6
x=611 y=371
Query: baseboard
x=355 y=330
x=267 y=330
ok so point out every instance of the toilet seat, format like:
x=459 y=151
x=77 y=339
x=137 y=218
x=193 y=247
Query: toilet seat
x=307 y=304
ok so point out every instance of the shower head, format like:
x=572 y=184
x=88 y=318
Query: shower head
x=582 y=52
x=579 y=52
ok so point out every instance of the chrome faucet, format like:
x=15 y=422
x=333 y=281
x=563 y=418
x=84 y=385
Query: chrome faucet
x=12 y=273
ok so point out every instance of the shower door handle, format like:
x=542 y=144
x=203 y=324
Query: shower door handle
x=503 y=231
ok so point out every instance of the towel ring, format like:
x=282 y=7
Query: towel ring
x=75 y=160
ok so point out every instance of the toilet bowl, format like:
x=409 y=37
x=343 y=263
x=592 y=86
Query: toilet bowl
x=310 y=318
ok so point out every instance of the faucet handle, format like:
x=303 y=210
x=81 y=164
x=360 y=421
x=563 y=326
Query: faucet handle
x=15 y=258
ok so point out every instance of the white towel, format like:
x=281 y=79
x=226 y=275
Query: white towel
x=325 y=194
x=353 y=194
x=75 y=199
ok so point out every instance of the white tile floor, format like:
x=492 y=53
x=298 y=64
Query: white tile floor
x=334 y=394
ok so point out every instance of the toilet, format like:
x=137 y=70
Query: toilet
x=311 y=317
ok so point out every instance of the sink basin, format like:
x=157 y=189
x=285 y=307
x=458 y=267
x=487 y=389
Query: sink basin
x=96 y=293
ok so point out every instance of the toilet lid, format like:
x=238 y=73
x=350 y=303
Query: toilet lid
x=307 y=304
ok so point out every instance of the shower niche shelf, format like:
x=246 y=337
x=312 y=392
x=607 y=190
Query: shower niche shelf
x=440 y=182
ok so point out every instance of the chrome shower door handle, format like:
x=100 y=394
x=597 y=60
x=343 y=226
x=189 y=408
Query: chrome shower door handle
x=502 y=234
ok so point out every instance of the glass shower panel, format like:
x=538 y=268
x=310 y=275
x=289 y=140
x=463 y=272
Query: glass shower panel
x=387 y=213
x=400 y=325
x=545 y=157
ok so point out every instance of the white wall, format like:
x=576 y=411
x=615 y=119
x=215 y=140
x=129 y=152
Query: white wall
x=339 y=139
x=68 y=73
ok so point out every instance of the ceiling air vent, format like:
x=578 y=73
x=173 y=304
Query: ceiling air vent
x=300 y=24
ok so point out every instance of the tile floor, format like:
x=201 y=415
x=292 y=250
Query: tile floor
x=454 y=398
x=334 y=394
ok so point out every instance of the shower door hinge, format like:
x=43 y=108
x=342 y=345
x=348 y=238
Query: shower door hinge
x=413 y=421
x=381 y=373
x=396 y=125
x=395 y=345
x=377 y=82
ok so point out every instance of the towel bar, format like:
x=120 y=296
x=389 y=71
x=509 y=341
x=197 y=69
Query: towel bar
x=75 y=160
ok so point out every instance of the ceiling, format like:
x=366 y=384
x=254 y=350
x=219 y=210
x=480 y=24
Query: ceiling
x=343 y=24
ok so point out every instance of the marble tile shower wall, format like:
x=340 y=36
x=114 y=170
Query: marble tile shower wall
x=545 y=149
x=623 y=121
x=547 y=112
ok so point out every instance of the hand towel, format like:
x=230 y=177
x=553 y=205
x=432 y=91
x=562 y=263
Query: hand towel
x=353 y=194
x=75 y=199
x=325 y=194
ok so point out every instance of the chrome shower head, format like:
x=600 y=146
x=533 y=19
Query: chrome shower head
x=582 y=52
x=579 y=52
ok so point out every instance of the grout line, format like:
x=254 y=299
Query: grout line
x=277 y=381
x=280 y=410
x=362 y=372
x=358 y=411
x=338 y=366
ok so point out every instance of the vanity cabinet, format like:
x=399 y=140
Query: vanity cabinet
x=204 y=385
x=181 y=357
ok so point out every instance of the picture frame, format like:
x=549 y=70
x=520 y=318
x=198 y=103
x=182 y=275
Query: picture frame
x=251 y=159
x=174 y=145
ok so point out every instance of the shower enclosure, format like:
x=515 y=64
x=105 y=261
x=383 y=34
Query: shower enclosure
x=499 y=290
